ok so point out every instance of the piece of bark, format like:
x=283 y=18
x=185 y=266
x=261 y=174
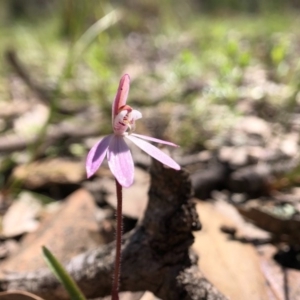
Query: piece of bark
x=155 y=256
x=283 y=229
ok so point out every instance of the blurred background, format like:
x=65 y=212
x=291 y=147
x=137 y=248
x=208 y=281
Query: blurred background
x=210 y=58
x=221 y=78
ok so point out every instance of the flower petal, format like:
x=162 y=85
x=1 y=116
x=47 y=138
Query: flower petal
x=122 y=95
x=154 y=152
x=120 y=161
x=145 y=137
x=96 y=155
x=135 y=115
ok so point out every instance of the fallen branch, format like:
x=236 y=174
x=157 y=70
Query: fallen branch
x=14 y=62
x=62 y=131
x=46 y=95
x=155 y=256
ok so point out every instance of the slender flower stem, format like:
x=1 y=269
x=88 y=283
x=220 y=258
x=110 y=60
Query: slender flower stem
x=119 y=231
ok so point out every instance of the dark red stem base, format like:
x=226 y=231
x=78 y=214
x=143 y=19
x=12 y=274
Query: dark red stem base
x=119 y=231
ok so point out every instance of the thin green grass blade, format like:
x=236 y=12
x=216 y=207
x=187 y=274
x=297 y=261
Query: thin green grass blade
x=62 y=275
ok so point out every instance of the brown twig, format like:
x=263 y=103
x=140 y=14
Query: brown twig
x=14 y=142
x=13 y=60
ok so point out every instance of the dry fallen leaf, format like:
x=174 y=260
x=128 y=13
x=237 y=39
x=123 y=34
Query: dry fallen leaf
x=134 y=296
x=15 y=295
x=231 y=266
x=70 y=231
x=135 y=199
x=21 y=216
x=283 y=283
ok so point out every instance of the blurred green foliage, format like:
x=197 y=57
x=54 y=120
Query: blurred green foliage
x=199 y=54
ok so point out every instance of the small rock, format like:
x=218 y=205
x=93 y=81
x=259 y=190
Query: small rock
x=255 y=126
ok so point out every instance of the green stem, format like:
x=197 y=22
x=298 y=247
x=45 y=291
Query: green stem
x=119 y=231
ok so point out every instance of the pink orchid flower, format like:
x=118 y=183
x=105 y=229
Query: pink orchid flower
x=114 y=146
